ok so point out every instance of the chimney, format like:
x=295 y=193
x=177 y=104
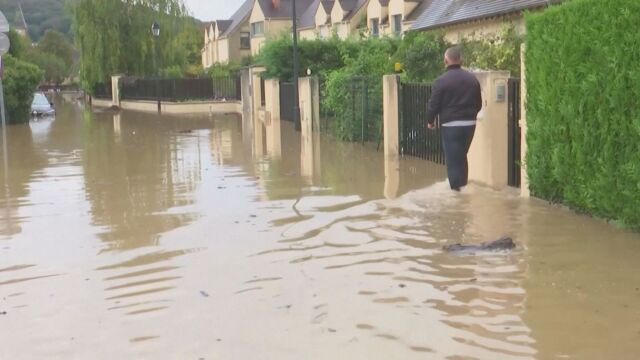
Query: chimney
x=275 y=3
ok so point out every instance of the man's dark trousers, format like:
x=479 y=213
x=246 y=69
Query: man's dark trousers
x=456 y=143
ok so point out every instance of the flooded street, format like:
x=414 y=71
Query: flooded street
x=134 y=236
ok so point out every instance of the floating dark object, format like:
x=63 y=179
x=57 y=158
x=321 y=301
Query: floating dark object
x=504 y=243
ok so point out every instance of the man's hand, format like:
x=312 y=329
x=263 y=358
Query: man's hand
x=431 y=126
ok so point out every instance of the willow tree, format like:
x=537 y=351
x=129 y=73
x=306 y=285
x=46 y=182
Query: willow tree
x=114 y=36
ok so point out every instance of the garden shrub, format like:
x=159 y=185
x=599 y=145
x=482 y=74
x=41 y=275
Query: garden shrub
x=20 y=81
x=499 y=52
x=371 y=61
x=421 y=55
x=583 y=86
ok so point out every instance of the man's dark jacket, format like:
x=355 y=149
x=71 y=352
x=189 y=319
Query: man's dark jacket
x=455 y=95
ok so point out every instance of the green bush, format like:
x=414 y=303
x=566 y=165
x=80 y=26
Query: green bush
x=361 y=76
x=21 y=79
x=320 y=56
x=499 y=52
x=55 y=69
x=422 y=55
x=583 y=86
x=223 y=70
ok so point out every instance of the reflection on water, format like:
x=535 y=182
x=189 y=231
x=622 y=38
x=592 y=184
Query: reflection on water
x=172 y=238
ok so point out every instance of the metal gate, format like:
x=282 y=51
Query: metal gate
x=415 y=139
x=286 y=101
x=514 y=133
x=359 y=115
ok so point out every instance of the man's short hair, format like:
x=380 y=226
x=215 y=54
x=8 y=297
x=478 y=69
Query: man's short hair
x=454 y=54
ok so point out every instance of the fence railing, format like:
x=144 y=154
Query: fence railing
x=223 y=88
x=514 y=135
x=102 y=90
x=286 y=101
x=354 y=111
x=415 y=138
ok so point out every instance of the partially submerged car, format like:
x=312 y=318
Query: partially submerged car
x=41 y=106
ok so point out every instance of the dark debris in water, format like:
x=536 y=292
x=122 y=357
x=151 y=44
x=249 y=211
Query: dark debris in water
x=3 y=313
x=204 y=293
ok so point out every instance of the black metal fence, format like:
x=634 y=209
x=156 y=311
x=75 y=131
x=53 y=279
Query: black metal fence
x=102 y=90
x=355 y=115
x=223 y=88
x=514 y=135
x=415 y=139
x=286 y=101
x=263 y=95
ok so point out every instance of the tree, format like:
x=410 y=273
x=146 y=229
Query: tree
x=114 y=36
x=18 y=44
x=55 y=69
x=20 y=81
x=55 y=43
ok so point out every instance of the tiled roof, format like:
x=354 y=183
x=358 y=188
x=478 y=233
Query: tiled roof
x=223 y=25
x=284 y=10
x=308 y=18
x=448 y=12
x=419 y=10
x=328 y=5
x=206 y=25
x=351 y=7
x=239 y=17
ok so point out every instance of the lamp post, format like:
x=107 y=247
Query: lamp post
x=296 y=66
x=155 y=30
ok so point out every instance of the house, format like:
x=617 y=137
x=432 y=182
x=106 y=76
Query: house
x=208 y=55
x=227 y=40
x=315 y=23
x=348 y=17
x=270 y=18
x=473 y=19
x=378 y=18
x=234 y=35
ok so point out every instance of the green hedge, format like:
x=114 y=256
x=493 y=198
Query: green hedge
x=583 y=107
x=21 y=79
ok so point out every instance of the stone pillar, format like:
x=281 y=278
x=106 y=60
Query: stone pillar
x=247 y=103
x=256 y=94
x=391 y=114
x=524 y=179
x=488 y=156
x=391 y=177
x=115 y=90
x=315 y=101
x=307 y=114
x=272 y=117
x=309 y=96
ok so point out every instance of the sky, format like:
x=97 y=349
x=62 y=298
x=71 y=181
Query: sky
x=207 y=10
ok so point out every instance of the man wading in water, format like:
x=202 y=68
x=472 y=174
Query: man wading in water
x=456 y=100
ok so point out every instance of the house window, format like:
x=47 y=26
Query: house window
x=257 y=29
x=397 y=24
x=375 y=27
x=245 y=40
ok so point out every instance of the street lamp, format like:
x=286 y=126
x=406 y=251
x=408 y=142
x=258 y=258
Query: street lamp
x=155 y=30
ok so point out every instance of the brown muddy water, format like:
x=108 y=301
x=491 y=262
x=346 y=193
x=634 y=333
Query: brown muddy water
x=134 y=236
